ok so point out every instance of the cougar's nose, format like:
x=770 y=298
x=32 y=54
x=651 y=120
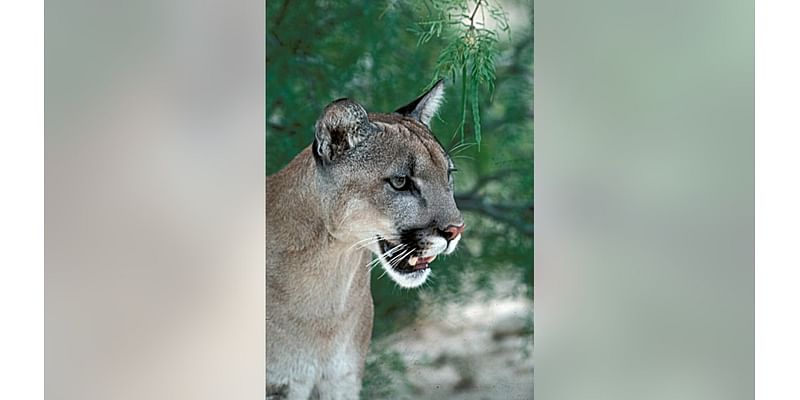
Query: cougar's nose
x=454 y=230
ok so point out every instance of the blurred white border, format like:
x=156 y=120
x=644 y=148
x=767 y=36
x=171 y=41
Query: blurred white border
x=22 y=200
x=777 y=200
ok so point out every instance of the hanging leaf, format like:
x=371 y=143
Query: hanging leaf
x=470 y=51
x=476 y=114
x=463 y=100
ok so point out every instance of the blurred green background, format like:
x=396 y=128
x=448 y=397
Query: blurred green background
x=370 y=51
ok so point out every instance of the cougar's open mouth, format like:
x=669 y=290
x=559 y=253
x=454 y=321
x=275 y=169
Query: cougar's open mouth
x=402 y=258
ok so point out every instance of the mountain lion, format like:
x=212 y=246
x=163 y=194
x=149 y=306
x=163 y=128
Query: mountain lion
x=371 y=185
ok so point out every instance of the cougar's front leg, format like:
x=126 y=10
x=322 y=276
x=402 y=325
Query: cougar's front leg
x=291 y=379
x=340 y=382
x=342 y=374
x=299 y=388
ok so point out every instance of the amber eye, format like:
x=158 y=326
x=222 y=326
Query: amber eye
x=400 y=183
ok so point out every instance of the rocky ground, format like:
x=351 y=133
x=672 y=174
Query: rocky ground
x=475 y=350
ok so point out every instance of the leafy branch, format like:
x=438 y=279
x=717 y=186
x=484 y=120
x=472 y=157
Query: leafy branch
x=470 y=53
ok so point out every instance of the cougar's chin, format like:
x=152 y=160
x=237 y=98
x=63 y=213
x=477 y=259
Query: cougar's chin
x=403 y=264
x=407 y=280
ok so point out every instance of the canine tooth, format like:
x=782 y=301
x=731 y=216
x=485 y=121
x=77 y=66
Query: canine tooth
x=432 y=258
x=412 y=261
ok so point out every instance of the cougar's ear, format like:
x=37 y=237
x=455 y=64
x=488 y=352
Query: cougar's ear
x=424 y=108
x=341 y=127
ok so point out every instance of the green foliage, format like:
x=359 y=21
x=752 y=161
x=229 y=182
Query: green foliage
x=470 y=52
x=385 y=371
x=383 y=54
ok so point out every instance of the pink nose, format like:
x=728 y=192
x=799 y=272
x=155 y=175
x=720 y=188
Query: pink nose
x=454 y=231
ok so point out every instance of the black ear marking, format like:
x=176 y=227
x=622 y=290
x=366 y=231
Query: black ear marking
x=424 y=107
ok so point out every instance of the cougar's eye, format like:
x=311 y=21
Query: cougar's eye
x=400 y=183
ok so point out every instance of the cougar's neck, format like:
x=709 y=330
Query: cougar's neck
x=295 y=205
x=319 y=263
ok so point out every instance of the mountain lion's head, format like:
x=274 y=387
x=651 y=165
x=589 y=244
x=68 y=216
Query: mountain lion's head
x=386 y=184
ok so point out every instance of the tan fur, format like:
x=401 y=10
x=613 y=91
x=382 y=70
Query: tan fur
x=311 y=315
x=320 y=209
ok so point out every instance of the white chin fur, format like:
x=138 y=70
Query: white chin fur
x=408 y=281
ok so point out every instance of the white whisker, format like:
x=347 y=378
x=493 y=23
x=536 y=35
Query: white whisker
x=459 y=148
x=385 y=254
x=363 y=243
x=400 y=257
x=384 y=273
x=396 y=258
x=374 y=263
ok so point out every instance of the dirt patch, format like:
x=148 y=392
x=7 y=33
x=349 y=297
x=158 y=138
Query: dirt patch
x=474 y=350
